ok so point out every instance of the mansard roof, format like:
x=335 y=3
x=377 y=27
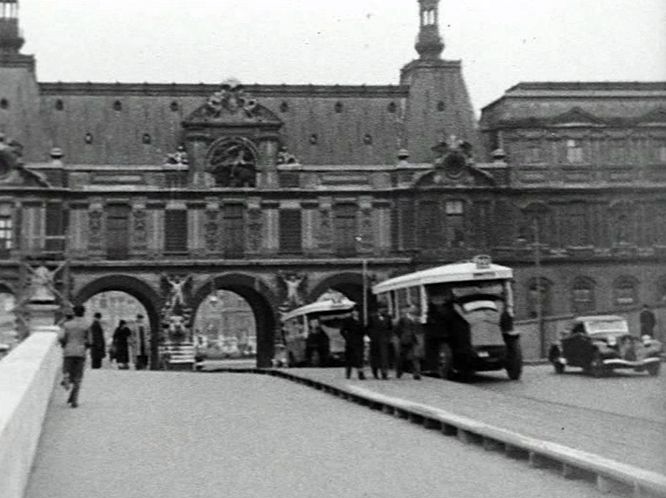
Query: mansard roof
x=135 y=123
x=583 y=103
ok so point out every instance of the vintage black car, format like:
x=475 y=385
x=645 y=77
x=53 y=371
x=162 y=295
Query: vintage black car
x=600 y=344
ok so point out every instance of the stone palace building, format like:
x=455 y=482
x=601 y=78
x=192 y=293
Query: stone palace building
x=281 y=192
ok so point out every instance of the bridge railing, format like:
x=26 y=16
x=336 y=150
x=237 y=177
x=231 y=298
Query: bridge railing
x=27 y=376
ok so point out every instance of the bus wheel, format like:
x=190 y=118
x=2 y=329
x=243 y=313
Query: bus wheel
x=444 y=361
x=514 y=360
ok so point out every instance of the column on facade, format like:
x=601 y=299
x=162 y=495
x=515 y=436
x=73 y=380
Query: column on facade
x=78 y=229
x=381 y=225
x=309 y=223
x=139 y=228
x=195 y=229
x=96 y=228
x=155 y=222
x=324 y=231
x=211 y=227
x=254 y=226
x=271 y=238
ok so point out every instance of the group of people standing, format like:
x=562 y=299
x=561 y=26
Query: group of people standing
x=77 y=336
x=404 y=342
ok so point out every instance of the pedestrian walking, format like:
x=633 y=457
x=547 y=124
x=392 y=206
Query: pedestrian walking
x=380 y=330
x=121 y=338
x=140 y=343
x=97 y=342
x=353 y=332
x=74 y=337
x=411 y=340
x=648 y=321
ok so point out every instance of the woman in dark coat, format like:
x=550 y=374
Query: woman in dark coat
x=380 y=330
x=120 y=344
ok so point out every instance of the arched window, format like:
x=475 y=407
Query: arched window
x=625 y=291
x=582 y=296
x=538 y=287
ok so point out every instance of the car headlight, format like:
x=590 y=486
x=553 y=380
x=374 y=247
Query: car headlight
x=612 y=341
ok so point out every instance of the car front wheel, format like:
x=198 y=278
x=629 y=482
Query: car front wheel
x=653 y=369
x=559 y=367
x=597 y=367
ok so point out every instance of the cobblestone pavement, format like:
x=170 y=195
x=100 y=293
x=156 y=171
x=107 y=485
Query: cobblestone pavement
x=179 y=434
x=599 y=427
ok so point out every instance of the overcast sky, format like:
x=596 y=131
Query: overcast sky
x=501 y=42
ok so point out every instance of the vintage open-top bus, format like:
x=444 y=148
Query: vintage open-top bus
x=467 y=312
x=302 y=345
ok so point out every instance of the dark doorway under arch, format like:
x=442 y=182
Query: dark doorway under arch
x=136 y=288
x=262 y=302
x=348 y=283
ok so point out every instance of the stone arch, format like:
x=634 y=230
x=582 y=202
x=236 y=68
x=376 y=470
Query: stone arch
x=136 y=288
x=261 y=299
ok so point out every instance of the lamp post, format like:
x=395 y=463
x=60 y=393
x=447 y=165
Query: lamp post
x=364 y=273
x=539 y=304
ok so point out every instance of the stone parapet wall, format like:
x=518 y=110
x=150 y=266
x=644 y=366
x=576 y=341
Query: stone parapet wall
x=27 y=377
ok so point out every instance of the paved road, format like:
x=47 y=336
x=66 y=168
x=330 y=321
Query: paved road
x=171 y=434
x=627 y=393
x=624 y=438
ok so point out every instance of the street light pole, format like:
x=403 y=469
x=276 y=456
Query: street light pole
x=539 y=304
x=364 y=275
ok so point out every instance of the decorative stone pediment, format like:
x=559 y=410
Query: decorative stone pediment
x=454 y=166
x=12 y=170
x=232 y=106
x=576 y=117
x=655 y=117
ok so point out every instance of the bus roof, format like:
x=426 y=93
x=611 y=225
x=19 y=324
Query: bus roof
x=327 y=306
x=456 y=272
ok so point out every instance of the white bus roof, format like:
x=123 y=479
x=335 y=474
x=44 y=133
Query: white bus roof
x=327 y=306
x=456 y=272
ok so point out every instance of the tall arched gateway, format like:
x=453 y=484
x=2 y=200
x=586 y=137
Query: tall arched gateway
x=137 y=288
x=260 y=298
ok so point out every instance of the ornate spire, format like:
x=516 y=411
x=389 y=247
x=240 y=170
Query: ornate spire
x=11 y=40
x=429 y=44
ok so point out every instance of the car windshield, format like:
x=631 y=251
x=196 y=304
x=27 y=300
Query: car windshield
x=607 y=326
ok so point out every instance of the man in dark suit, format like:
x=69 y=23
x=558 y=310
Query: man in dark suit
x=353 y=332
x=380 y=330
x=74 y=338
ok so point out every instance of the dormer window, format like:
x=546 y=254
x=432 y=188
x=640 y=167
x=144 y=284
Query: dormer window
x=59 y=105
x=117 y=106
x=367 y=139
x=284 y=107
x=146 y=139
x=174 y=106
x=88 y=138
x=4 y=104
x=391 y=107
x=314 y=139
x=338 y=107
x=574 y=152
x=441 y=106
